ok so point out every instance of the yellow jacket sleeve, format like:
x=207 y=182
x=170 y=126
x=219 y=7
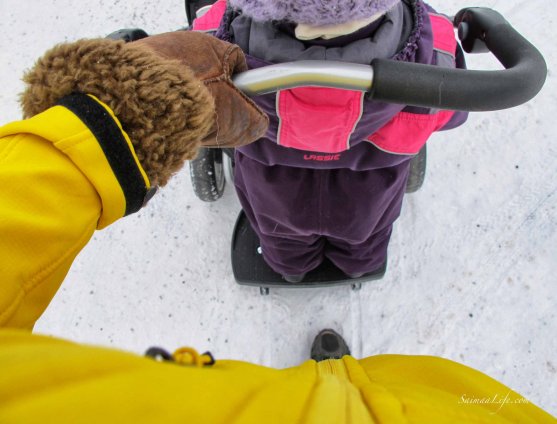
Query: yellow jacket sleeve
x=61 y=178
x=45 y=380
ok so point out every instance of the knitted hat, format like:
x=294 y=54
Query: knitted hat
x=313 y=12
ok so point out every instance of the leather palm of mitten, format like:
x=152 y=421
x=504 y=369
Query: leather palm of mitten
x=162 y=104
x=238 y=120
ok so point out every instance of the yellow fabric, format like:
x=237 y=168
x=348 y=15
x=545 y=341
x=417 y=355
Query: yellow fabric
x=190 y=356
x=46 y=380
x=56 y=188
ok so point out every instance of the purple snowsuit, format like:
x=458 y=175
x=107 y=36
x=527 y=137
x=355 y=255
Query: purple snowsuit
x=335 y=194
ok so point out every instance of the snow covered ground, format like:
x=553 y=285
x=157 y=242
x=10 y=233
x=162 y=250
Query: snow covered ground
x=473 y=259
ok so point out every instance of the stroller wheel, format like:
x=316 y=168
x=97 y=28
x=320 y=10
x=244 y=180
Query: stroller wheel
x=128 y=34
x=356 y=286
x=207 y=174
x=228 y=164
x=417 y=171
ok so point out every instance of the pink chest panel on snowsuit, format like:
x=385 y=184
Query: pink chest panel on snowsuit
x=318 y=119
x=407 y=132
x=323 y=119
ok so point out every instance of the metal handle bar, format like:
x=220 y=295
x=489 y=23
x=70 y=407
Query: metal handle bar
x=318 y=73
x=480 y=29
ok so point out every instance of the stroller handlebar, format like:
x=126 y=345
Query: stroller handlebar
x=317 y=73
x=480 y=29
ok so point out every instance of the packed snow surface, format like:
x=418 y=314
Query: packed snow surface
x=472 y=262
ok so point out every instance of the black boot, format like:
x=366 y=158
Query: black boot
x=328 y=345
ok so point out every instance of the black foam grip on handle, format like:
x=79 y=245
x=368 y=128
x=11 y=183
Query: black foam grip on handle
x=469 y=90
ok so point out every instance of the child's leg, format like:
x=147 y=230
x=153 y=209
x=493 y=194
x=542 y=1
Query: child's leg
x=362 y=210
x=279 y=203
x=292 y=255
x=359 y=258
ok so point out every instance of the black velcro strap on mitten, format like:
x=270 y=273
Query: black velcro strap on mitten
x=114 y=146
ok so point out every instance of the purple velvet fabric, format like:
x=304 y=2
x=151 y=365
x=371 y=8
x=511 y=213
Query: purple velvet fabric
x=344 y=209
x=303 y=215
x=312 y=12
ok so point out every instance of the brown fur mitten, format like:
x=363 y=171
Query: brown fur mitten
x=238 y=120
x=158 y=97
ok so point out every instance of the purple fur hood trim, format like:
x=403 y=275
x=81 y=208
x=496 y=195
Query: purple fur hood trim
x=312 y=12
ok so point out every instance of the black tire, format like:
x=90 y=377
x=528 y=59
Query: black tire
x=416 y=176
x=128 y=34
x=207 y=174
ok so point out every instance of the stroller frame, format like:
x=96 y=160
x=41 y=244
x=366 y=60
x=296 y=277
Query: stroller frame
x=479 y=29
